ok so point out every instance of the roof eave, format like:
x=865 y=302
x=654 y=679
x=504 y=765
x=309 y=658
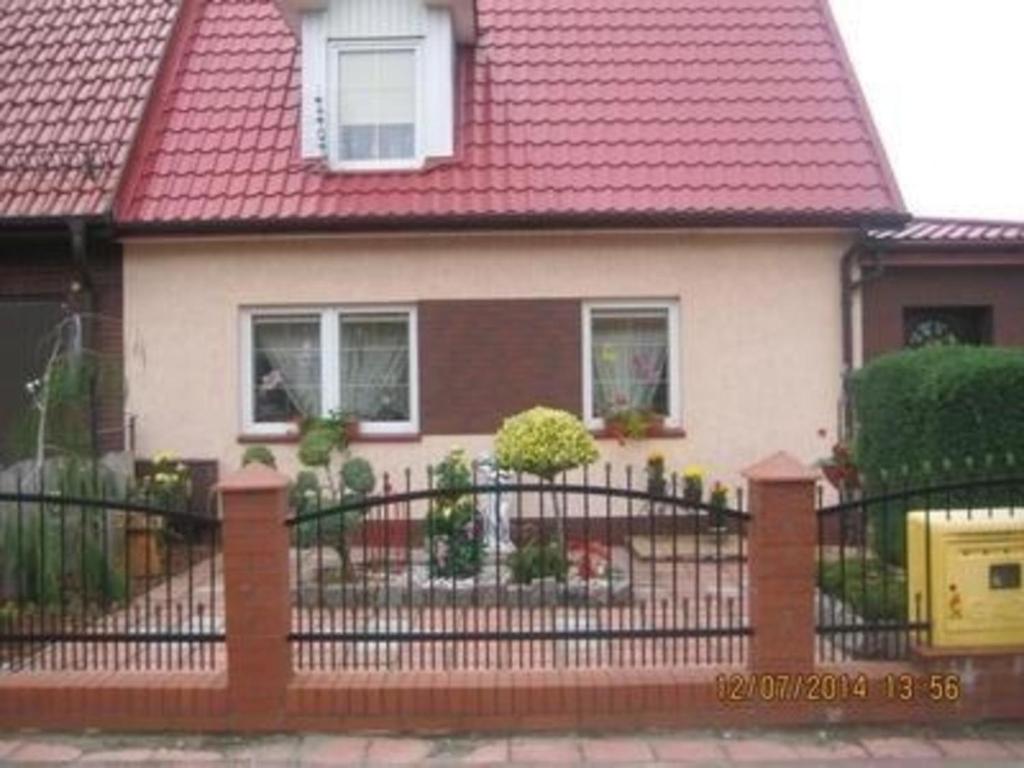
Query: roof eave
x=390 y=224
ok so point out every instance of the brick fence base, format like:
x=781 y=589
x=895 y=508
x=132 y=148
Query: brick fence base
x=488 y=701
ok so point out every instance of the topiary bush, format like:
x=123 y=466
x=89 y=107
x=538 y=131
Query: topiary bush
x=544 y=442
x=358 y=477
x=936 y=415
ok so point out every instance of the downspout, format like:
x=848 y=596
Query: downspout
x=848 y=285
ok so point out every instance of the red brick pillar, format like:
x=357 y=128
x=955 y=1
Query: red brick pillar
x=783 y=536
x=256 y=596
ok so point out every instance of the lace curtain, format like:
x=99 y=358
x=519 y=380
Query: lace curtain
x=630 y=361
x=287 y=361
x=375 y=367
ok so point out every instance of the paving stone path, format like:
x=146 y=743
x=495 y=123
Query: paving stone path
x=994 y=745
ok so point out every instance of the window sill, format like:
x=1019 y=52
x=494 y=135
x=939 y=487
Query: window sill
x=294 y=438
x=655 y=433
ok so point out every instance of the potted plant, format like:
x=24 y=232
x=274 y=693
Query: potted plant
x=718 y=500
x=626 y=422
x=693 y=484
x=657 y=484
x=166 y=485
x=840 y=470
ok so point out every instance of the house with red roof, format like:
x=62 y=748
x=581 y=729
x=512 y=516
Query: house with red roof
x=432 y=214
x=435 y=213
x=74 y=85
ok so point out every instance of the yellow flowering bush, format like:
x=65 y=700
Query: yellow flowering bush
x=544 y=442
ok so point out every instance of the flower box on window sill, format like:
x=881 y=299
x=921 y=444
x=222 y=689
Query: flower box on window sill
x=655 y=431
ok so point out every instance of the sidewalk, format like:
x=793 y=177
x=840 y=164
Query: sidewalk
x=994 y=745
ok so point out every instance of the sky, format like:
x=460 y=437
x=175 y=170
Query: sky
x=945 y=82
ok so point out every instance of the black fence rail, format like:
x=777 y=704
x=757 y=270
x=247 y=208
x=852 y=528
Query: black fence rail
x=107 y=581
x=878 y=591
x=504 y=573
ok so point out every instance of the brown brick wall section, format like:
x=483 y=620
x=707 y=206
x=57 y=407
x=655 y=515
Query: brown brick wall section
x=1002 y=288
x=481 y=361
x=43 y=269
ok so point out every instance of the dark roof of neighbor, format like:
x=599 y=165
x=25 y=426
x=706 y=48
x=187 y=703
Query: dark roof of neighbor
x=75 y=78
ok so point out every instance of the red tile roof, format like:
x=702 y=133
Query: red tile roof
x=966 y=232
x=74 y=78
x=570 y=109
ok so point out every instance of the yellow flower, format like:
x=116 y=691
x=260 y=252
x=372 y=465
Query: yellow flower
x=694 y=470
x=164 y=457
x=656 y=458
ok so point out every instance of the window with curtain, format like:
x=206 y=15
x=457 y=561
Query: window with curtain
x=286 y=368
x=359 y=361
x=374 y=367
x=629 y=355
x=377 y=105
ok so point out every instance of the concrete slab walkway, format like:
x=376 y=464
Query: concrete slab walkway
x=993 y=745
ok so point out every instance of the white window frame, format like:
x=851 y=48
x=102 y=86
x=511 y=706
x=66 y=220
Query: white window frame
x=335 y=49
x=330 y=372
x=673 y=419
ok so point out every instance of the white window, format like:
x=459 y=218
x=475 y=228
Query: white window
x=378 y=83
x=630 y=359
x=300 y=363
x=377 y=119
x=377 y=105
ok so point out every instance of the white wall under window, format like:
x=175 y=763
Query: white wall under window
x=298 y=362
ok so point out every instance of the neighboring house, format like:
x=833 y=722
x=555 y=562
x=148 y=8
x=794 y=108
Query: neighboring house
x=435 y=215
x=942 y=281
x=74 y=81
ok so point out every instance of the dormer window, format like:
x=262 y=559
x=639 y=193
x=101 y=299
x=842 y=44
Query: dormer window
x=377 y=108
x=378 y=80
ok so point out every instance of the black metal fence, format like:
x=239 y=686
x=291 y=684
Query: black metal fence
x=107 y=581
x=511 y=574
x=877 y=589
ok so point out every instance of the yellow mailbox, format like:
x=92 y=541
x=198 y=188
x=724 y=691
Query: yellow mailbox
x=976 y=561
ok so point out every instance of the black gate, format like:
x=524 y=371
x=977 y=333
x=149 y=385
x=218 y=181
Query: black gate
x=519 y=575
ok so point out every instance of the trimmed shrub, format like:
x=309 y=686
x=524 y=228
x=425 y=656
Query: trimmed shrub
x=544 y=442
x=936 y=415
x=259 y=454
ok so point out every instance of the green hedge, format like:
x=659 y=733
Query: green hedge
x=937 y=415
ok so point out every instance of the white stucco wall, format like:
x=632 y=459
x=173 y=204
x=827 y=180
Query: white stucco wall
x=760 y=334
